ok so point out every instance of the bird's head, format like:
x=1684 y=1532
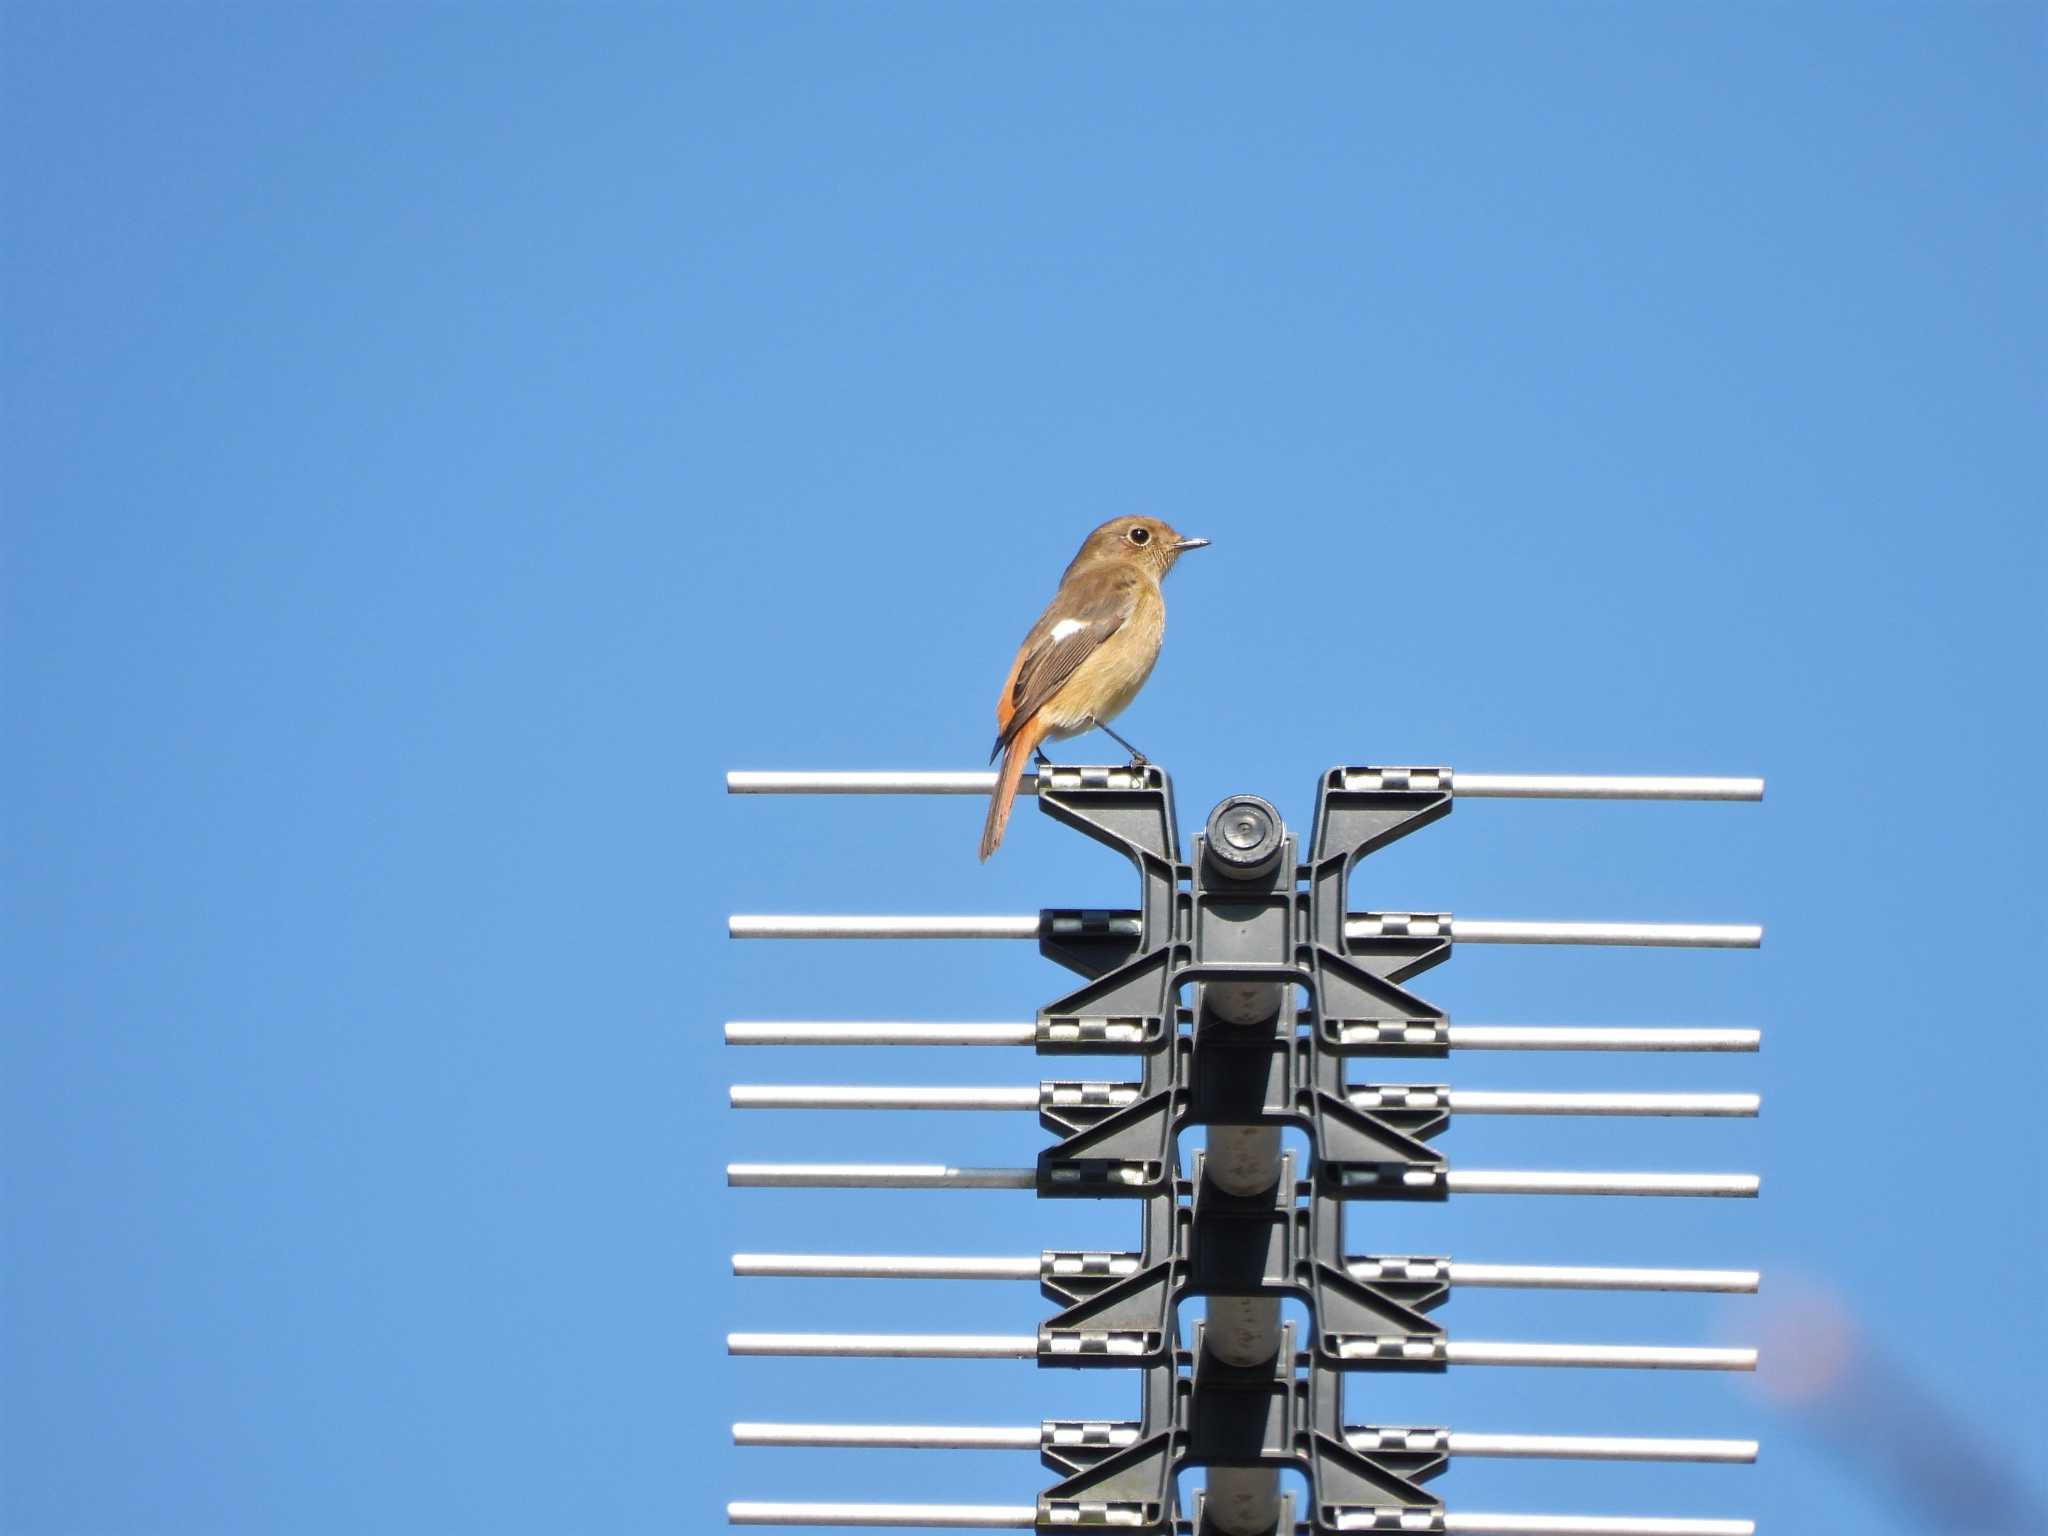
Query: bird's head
x=1145 y=542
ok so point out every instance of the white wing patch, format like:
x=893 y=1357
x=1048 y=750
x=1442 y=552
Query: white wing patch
x=1066 y=627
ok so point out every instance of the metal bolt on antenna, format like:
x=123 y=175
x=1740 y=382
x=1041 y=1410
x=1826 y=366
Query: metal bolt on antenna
x=1245 y=838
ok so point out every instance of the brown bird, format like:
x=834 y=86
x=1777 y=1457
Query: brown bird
x=1088 y=654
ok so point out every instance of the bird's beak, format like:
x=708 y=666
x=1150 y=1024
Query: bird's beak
x=1192 y=544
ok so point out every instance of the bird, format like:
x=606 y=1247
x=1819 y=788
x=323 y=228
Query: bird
x=1088 y=654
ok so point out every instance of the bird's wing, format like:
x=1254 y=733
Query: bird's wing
x=1088 y=610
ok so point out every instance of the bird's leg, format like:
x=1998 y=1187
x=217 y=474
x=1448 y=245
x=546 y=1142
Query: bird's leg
x=1138 y=759
x=1038 y=756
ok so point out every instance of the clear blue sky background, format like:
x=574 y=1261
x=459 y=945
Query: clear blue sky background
x=439 y=440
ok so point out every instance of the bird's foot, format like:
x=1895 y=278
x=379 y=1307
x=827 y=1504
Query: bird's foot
x=1138 y=759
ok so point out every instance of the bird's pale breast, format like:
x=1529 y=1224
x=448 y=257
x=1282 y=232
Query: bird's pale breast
x=1109 y=679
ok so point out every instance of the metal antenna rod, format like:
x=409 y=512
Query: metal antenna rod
x=915 y=1437
x=1371 y=925
x=1555 y=1037
x=1469 y=1037
x=1528 y=1182
x=843 y=1096
x=1557 y=1277
x=797 y=926
x=763 y=1032
x=1539 y=1277
x=1458 y=1181
x=1463 y=930
x=875 y=1176
x=1028 y=1437
x=989 y=1517
x=1642 y=1356
x=1023 y=1517
x=1497 y=786
x=850 y=1266
x=887 y=1346
x=1565 y=1447
x=1024 y=1346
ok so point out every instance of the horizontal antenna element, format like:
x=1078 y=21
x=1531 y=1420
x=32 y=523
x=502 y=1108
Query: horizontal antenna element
x=982 y=1517
x=800 y=926
x=1555 y=1277
x=1024 y=1346
x=1721 y=1185
x=889 y=1346
x=916 y=1437
x=750 y=1032
x=1022 y=1517
x=1116 y=1095
x=1474 y=1181
x=1474 y=930
x=853 y=1266
x=1540 y=1277
x=1468 y=1037
x=1494 y=786
x=1029 y=1437
x=1368 y=925
x=874 y=1176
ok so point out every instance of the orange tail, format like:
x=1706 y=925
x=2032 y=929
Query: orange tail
x=1015 y=756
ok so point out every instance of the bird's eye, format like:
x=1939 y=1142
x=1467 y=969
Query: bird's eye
x=1140 y=535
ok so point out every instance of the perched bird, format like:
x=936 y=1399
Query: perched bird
x=1088 y=654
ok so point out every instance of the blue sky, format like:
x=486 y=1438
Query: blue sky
x=438 y=441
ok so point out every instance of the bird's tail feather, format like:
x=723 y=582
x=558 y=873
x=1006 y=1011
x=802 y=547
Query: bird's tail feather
x=1015 y=756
